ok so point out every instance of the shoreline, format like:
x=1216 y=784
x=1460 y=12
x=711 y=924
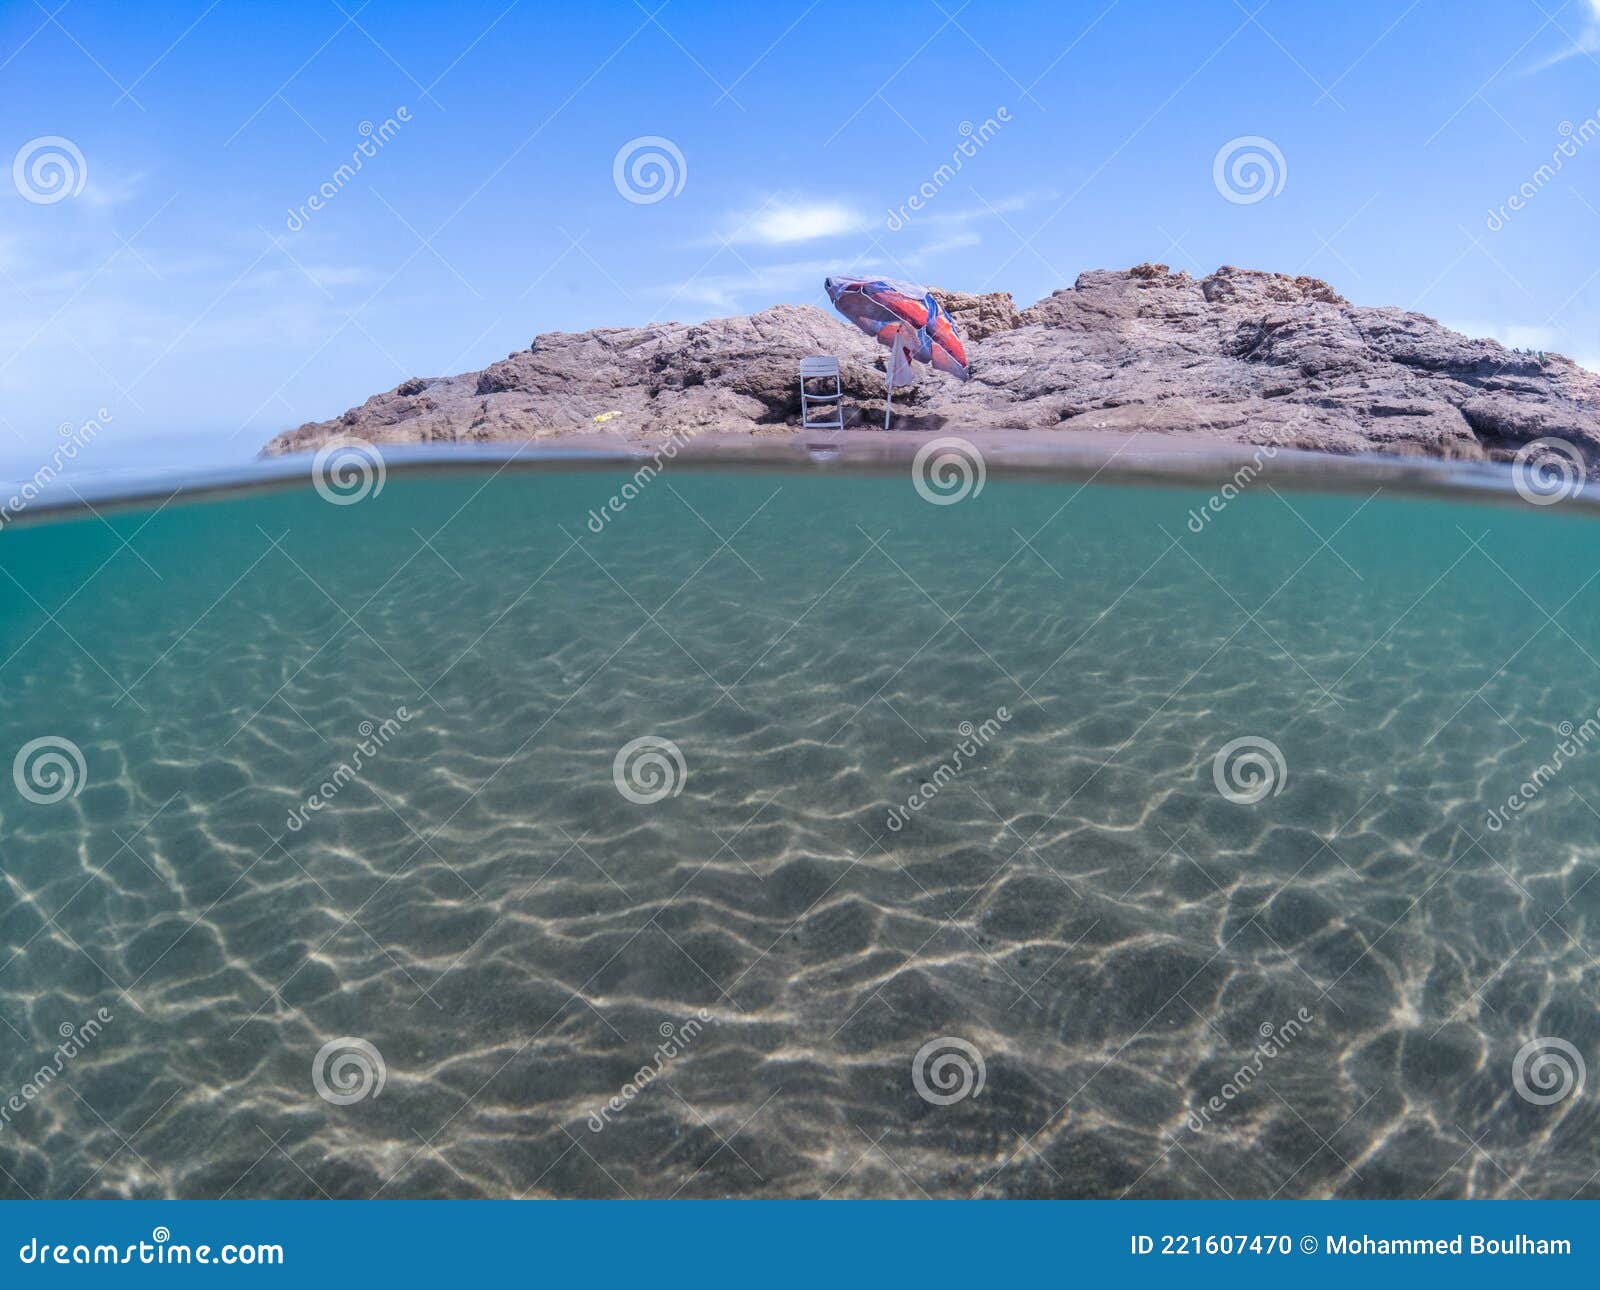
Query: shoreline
x=1138 y=459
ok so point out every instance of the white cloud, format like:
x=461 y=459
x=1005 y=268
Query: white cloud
x=724 y=291
x=294 y=278
x=339 y=275
x=954 y=242
x=987 y=210
x=104 y=190
x=1541 y=339
x=1586 y=41
x=952 y=230
x=729 y=282
x=1511 y=335
x=781 y=222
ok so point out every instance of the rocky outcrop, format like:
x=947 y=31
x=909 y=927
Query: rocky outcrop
x=1240 y=355
x=979 y=316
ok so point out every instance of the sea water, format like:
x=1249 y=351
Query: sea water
x=791 y=834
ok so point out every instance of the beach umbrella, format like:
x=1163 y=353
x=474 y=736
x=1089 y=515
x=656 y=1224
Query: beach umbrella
x=907 y=319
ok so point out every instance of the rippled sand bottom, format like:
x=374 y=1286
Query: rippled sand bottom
x=1169 y=993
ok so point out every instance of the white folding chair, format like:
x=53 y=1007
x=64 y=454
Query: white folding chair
x=823 y=370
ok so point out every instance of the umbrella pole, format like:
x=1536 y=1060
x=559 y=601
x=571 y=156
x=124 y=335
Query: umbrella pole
x=888 y=380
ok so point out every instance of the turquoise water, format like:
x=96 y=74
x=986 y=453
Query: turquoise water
x=778 y=964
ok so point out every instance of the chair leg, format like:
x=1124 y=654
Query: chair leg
x=836 y=422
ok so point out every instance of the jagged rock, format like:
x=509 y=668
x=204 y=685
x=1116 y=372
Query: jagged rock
x=1229 y=285
x=980 y=316
x=1240 y=355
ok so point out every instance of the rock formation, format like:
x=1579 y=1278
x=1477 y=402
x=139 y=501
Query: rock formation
x=1241 y=355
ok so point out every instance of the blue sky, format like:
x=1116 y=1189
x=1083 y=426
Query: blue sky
x=179 y=290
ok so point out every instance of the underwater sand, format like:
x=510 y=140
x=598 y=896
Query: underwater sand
x=1078 y=902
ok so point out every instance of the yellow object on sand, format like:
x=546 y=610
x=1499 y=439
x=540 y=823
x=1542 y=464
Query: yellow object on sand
x=606 y=416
